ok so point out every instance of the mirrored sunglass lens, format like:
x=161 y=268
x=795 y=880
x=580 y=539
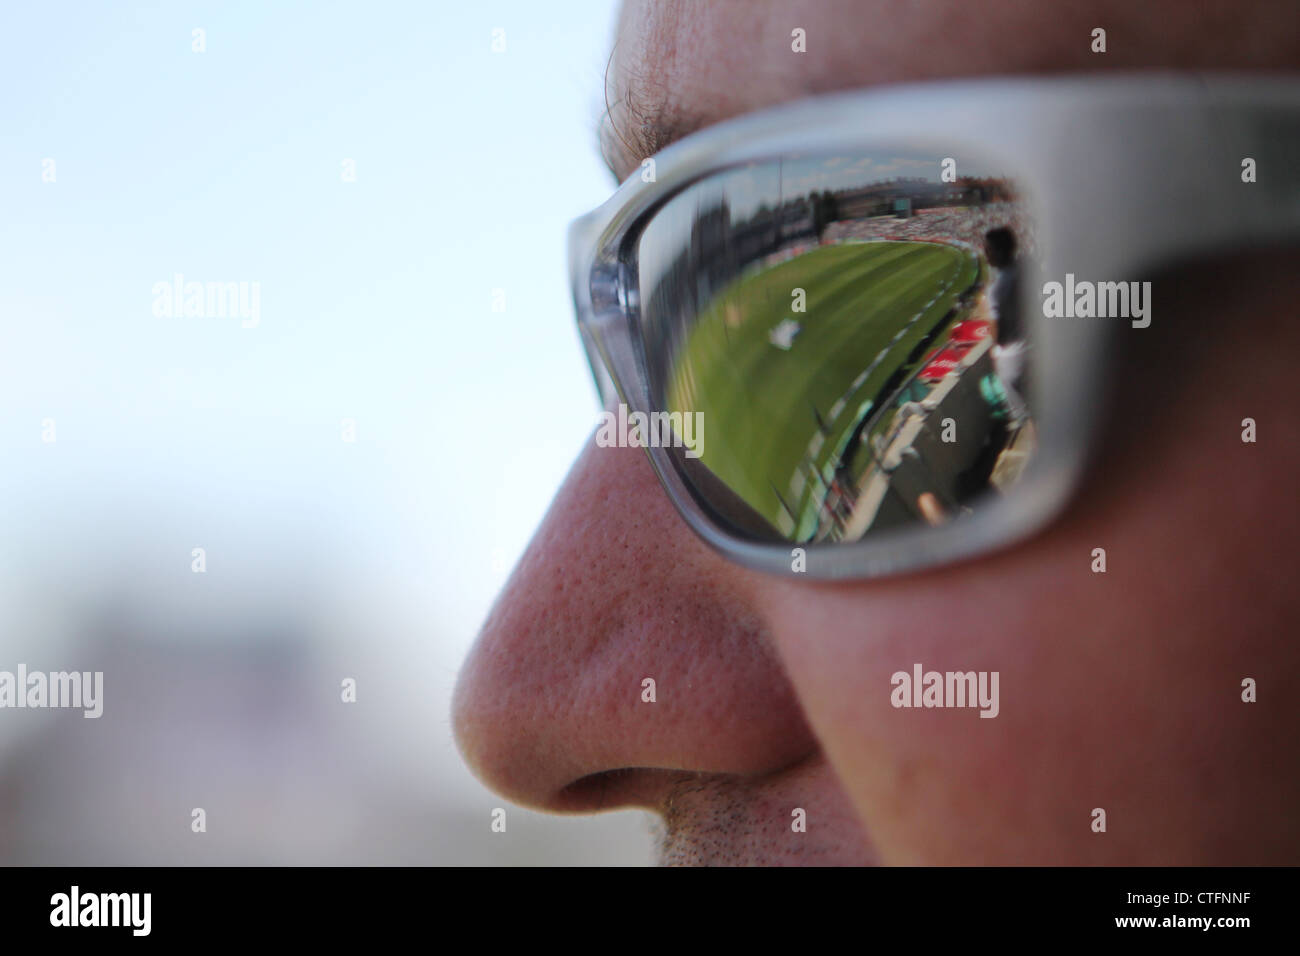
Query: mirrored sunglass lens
x=837 y=346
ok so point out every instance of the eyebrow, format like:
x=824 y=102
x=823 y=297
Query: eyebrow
x=640 y=123
x=642 y=134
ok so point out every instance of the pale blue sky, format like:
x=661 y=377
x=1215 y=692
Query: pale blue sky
x=375 y=295
x=375 y=304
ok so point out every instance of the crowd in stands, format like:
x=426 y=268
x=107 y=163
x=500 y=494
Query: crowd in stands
x=963 y=224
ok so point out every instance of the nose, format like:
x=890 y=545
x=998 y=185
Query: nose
x=622 y=653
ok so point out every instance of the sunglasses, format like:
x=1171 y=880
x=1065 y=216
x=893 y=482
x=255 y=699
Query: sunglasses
x=869 y=333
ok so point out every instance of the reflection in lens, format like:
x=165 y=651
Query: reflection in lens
x=850 y=331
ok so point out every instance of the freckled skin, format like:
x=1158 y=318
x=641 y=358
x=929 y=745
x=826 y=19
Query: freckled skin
x=1119 y=690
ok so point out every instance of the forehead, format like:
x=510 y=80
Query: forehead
x=680 y=65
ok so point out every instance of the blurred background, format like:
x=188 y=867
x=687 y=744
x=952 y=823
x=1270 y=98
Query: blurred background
x=361 y=451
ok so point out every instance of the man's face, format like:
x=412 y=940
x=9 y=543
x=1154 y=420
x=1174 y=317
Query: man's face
x=1119 y=691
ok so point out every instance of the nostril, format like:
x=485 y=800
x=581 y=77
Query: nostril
x=644 y=787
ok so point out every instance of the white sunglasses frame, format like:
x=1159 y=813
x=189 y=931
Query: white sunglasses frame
x=1091 y=155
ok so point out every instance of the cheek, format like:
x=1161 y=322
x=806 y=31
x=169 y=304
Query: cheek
x=1119 y=691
